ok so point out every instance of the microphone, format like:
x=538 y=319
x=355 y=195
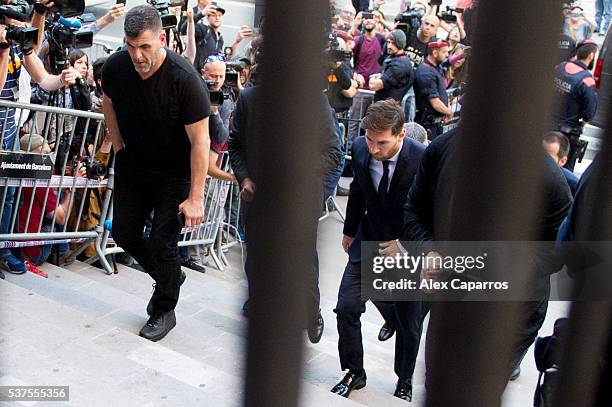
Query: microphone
x=75 y=24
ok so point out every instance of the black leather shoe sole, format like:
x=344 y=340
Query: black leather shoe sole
x=190 y=264
x=341 y=389
x=386 y=333
x=150 y=304
x=158 y=333
x=315 y=332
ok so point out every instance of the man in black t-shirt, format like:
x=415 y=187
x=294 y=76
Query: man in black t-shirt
x=416 y=46
x=156 y=109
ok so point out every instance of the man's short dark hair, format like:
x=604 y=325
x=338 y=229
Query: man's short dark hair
x=140 y=19
x=97 y=71
x=585 y=50
x=383 y=115
x=560 y=138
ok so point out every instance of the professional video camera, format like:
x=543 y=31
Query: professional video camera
x=216 y=97
x=232 y=72
x=63 y=34
x=334 y=52
x=410 y=21
x=19 y=10
x=168 y=20
x=450 y=15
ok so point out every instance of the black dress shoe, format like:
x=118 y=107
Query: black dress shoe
x=340 y=191
x=158 y=326
x=386 y=332
x=150 y=304
x=315 y=331
x=352 y=381
x=403 y=390
x=190 y=264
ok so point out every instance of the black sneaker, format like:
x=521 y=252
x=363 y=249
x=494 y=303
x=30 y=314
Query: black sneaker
x=158 y=326
x=191 y=264
x=150 y=304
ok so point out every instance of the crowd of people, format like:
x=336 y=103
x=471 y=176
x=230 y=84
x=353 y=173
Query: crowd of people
x=206 y=101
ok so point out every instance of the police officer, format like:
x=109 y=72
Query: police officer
x=432 y=108
x=575 y=86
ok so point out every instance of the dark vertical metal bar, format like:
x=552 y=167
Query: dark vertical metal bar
x=491 y=184
x=283 y=216
x=590 y=324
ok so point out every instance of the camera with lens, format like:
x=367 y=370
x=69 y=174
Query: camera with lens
x=216 y=96
x=334 y=52
x=19 y=10
x=93 y=168
x=232 y=72
x=64 y=34
x=449 y=15
x=168 y=19
x=410 y=21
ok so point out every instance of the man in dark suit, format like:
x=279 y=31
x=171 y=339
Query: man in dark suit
x=385 y=163
x=244 y=155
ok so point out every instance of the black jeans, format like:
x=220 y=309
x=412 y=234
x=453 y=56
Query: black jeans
x=406 y=317
x=312 y=281
x=138 y=191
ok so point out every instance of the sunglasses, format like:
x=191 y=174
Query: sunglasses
x=216 y=57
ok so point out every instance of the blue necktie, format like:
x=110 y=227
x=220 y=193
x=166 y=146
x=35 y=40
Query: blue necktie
x=384 y=182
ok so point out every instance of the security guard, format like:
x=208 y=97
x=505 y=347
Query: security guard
x=578 y=101
x=432 y=108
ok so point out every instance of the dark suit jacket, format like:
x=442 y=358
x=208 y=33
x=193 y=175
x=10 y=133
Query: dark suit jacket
x=366 y=217
x=243 y=130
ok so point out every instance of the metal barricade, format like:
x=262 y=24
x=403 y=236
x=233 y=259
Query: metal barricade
x=43 y=210
x=202 y=237
x=365 y=98
x=97 y=50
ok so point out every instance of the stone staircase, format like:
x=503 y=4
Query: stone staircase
x=80 y=328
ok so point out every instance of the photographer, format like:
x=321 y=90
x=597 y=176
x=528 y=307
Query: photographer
x=397 y=73
x=12 y=58
x=45 y=205
x=208 y=36
x=214 y=75
x=416 y=47
x=341 y=87
x=368 y=48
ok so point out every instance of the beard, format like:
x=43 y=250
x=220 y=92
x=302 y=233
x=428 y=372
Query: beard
x=370 y=29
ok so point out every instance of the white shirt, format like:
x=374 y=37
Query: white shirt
x=376 y=168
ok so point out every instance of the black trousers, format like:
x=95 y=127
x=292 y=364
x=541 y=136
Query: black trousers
x=312 y=279
x=138 y=191
x=406 y=317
